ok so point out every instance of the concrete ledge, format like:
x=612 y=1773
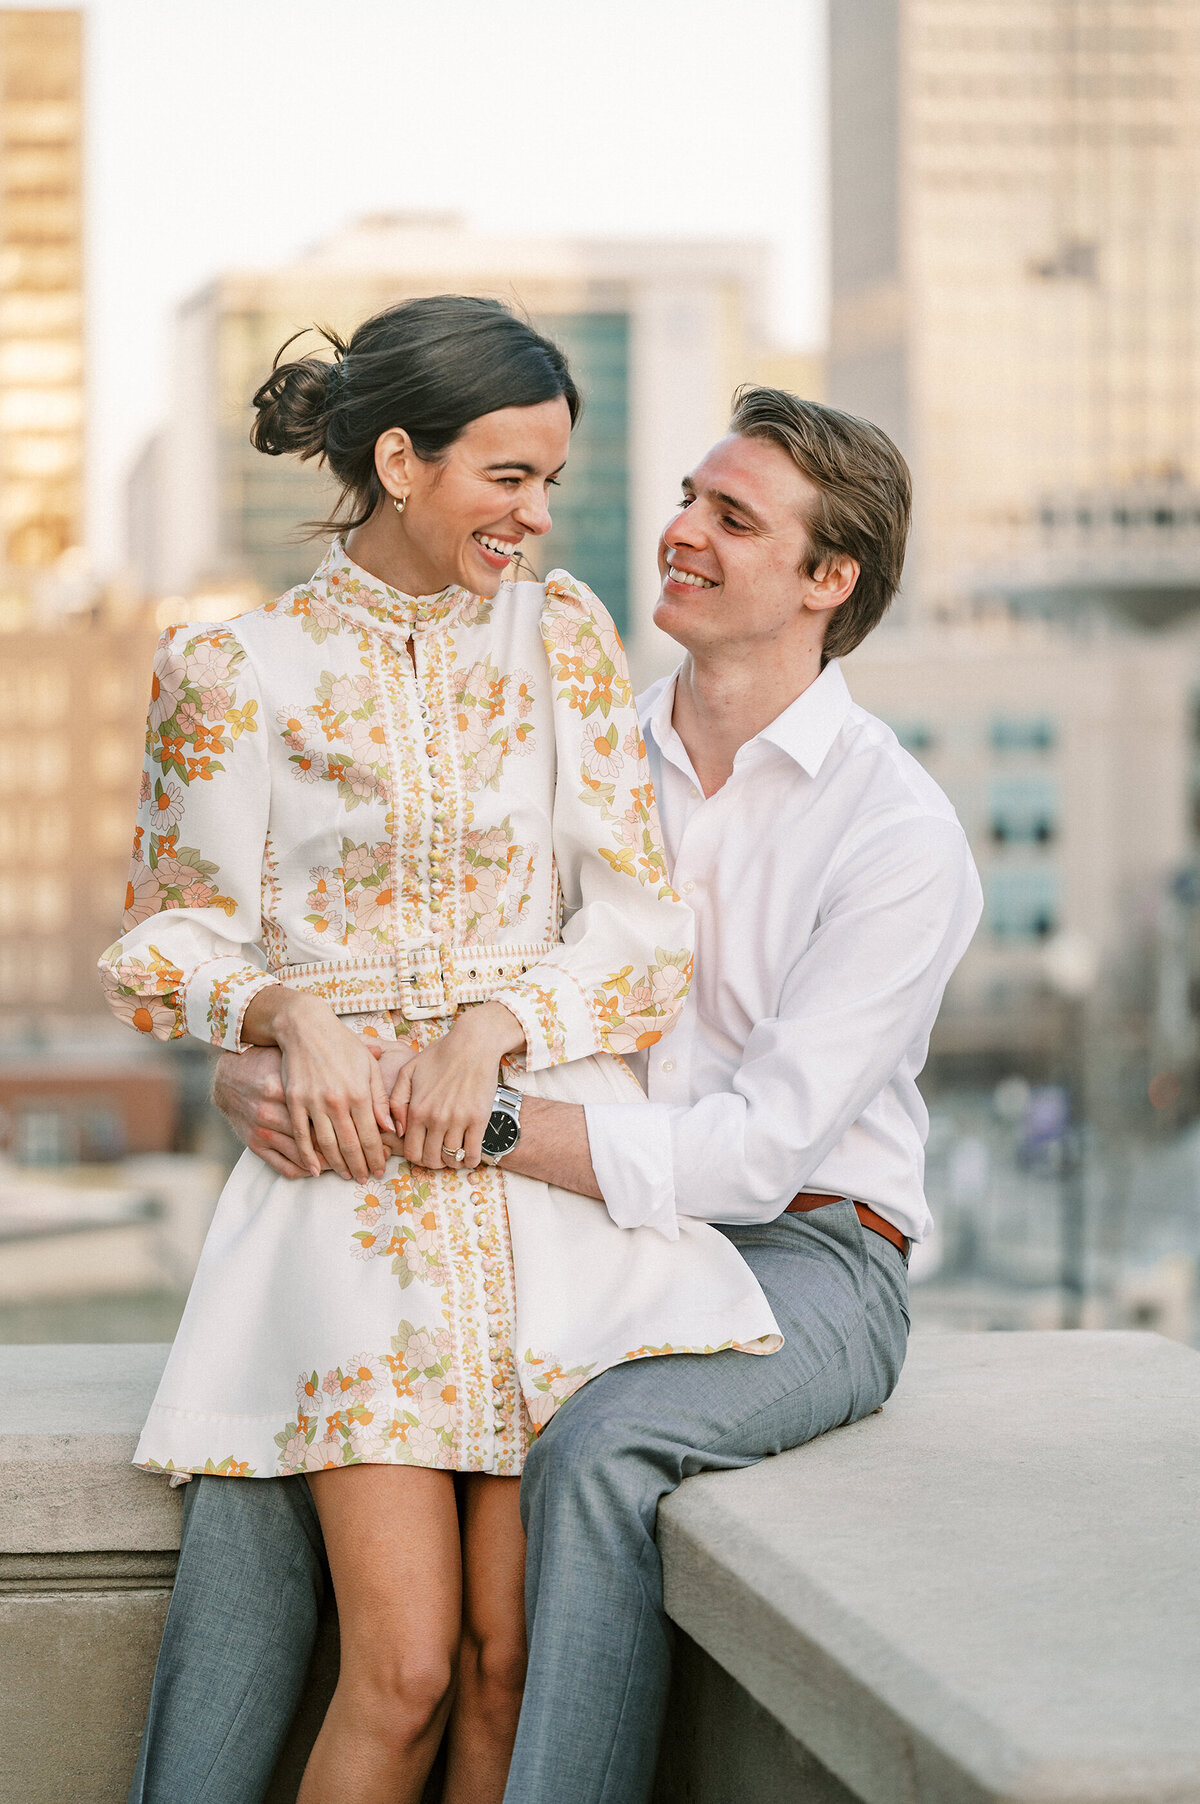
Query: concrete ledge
x=71 y=1422
x=990 y=1591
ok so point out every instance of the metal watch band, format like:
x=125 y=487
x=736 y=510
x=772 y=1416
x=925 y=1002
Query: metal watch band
x=509 y=1101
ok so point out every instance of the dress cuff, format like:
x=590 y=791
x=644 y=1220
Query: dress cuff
x=217 y=996
x=631 y=1157
x=558 y=1023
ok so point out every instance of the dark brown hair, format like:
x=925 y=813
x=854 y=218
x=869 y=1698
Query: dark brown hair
x=864 y=501
x=430 y=365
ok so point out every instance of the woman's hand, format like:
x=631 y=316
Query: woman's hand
x=443 y=1098
x=393 y=1057
x=333 y=1089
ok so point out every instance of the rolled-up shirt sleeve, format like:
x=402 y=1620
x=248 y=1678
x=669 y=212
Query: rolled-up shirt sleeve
x=898 y=913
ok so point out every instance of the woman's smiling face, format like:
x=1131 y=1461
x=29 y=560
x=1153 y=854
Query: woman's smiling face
x=466 y=515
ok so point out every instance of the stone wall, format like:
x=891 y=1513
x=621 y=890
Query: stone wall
x=989 y=1591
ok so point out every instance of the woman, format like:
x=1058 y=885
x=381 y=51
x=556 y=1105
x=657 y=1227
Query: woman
x=407 y=804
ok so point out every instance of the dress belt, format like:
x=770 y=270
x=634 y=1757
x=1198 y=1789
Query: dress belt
x=800 y=1205
x=421 y=982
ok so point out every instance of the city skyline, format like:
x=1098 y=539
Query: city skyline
x=565 y=132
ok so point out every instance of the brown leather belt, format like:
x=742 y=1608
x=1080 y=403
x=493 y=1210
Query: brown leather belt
x=800 y=1205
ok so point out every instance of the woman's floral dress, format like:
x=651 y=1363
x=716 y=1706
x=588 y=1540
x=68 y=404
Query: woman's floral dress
x=407 y=805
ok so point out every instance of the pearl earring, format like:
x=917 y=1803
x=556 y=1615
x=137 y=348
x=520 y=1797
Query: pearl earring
x=401 y=504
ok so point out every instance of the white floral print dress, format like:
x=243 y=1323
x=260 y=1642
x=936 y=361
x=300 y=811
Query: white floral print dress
x=405 y=806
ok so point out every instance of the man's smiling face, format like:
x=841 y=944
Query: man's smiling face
x=734 y=558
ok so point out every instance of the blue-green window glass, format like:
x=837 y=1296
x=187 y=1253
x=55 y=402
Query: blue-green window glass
x=1023 y=905
x=1023 y=810
x=591 y=510
x=916 y=736
x=1023 y=733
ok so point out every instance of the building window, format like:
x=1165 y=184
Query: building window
x=1023 y=905
x=44 y=1137
x=1022 y=733
x=1023 y=810
x=591 y=511
x=915 y=736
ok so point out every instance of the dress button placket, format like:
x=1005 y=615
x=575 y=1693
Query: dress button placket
x=486 y=1233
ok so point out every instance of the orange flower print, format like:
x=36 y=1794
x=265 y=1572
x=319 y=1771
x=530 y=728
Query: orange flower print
x=353 y=1383
x=166 y=685
x=142 y=895
x=153 y=1017
x=324 y=901
x=147 y=1015
x=438 y=1404
x=547 y=1383
x=602 y=756
x=166 y=807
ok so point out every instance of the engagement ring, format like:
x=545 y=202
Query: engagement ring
x=457 y=1153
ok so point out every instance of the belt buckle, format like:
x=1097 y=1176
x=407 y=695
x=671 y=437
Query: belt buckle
x=424 y=981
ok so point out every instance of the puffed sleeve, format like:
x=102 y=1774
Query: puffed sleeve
x=190 y=957
x=621 y=975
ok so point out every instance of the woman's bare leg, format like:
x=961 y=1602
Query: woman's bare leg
x=392 y=1536
x=491 y=1668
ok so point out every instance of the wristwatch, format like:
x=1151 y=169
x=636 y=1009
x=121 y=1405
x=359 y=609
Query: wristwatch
x=504 y=1125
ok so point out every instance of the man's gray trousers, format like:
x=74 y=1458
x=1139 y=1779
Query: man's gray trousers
x=252 y=1576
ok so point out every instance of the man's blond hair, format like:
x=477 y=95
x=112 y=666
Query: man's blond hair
x=865 y=498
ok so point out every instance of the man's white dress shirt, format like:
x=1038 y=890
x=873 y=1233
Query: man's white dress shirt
x=834 y=894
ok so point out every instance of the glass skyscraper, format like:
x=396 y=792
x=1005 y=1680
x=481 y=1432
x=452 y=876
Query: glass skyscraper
x=591 y=510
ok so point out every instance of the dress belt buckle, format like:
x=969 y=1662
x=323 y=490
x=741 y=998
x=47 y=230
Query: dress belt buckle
x=423 y=985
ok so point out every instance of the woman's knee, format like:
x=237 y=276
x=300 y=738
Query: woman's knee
x=492 y=1669
x=399 y=1698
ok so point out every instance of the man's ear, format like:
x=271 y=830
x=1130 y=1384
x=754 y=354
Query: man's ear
x=394 y=461
x=831 y=583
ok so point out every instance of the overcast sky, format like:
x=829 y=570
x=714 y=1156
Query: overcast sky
x=233 y=132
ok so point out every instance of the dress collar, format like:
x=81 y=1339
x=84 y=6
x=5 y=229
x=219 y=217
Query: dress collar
x=369 y=601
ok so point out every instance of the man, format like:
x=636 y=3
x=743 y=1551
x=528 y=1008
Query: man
x=834 y=894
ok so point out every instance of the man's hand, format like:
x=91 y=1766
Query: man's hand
x=248 y=1090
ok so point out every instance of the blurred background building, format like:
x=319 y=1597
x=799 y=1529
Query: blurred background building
x=658 y=335
x=1015 y=279
x=1015 y=272
x=41 y=298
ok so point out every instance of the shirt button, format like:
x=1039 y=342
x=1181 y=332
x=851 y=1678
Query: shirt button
x=668 y=1064
x=688 y=887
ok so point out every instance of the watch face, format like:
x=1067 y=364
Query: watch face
x=501 y=1134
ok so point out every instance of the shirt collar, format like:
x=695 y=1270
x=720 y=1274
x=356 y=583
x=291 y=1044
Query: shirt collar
x=805 y=730
x=367 y=600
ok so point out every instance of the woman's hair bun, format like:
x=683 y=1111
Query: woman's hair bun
x=293 y=406
x=428 y=366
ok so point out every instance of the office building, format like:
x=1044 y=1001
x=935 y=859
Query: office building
x=41 y=298
x=1015 y=266
x=72 y=724
x=1071 y=761
x=658 y=334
